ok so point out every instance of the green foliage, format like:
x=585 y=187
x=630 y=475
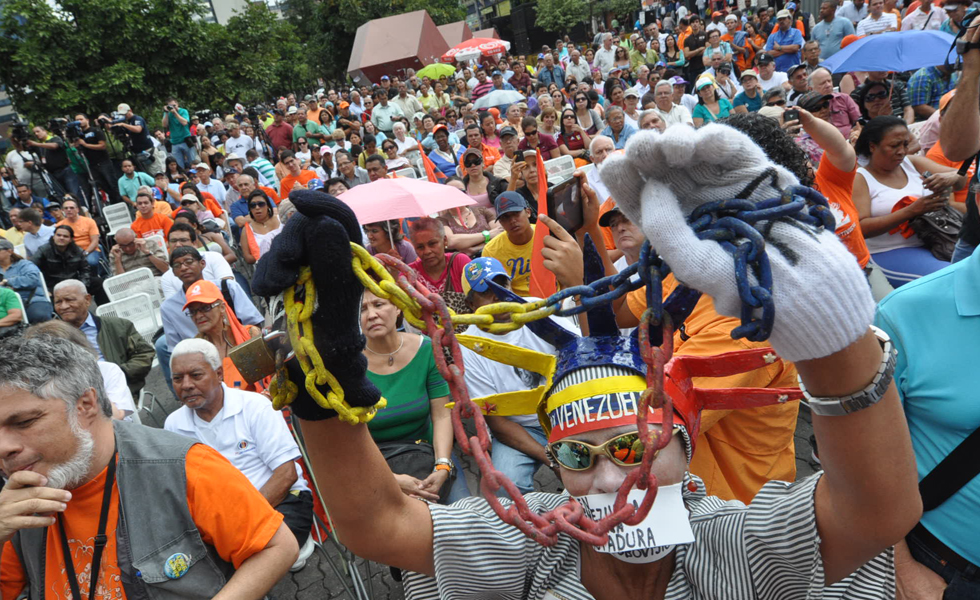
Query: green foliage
x=328 y=27
x=92 y=54
x=622 y=9
x=559 y=16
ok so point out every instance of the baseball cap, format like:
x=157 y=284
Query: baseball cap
x=631 y=92
x=678 y=80
x=292 y=110
x=812 y=100
x=123 y=108
x=731 y=17
x=314 y=184
x=794 y=69
x=773 y=112
x=470 y=152
x=703 y=82
x=503 y=132
x=478 y=271
x=717 y=13
x=495 y=73
x=189 y=198
x=442 y=127
x=230 y=171
x=208 y=124
x=6 y=244
x=343 y=104
x=192 y=171
x=791 y=6
x=951 y=5
x=308 y=97
x=607 y=216
x=749 y=73
x=233 y=156
x=509 y=202
x=203 y=291
x=766 y=59
x=784 y=14
x=384 y=78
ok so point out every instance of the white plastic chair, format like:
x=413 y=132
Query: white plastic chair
x=117 y=217
x=137 y=309
x=23 y=309
x=137 y=281
x=407 y=172
x=559 y=169
x=587 y=169
x=21 y=250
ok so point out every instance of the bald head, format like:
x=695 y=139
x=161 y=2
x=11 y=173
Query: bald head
x=600 y=148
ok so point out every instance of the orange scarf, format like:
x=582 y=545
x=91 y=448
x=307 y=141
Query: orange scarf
x=253 y=246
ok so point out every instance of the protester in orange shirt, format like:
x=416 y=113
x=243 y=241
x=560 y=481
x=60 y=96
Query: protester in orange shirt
x=149 y=223
x=297 y=178
x=86 y=231
x=70 y=457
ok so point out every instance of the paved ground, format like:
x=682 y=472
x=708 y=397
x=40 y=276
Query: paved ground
x=321 y=579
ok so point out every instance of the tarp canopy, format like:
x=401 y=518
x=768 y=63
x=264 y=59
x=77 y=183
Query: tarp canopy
x=455 y=33
x=389 y=45
x=486 y=33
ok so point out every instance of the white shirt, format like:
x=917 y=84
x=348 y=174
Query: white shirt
x=870 y=25
x=621 y=265
x=677 y=114
x=248 y=432
x=595 y=180
x=485 y=377
x=216 y=268
x=604 y=60
x=216 y=189
x=689 y=101
x=778 y=78
x=930 y=21
x=116 y=388
x=721 y=27
x=848 y=11
x=239 y=145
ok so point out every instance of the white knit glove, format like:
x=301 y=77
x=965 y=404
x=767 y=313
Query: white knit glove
x=822 y=299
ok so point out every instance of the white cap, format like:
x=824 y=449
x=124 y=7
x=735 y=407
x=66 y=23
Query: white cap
x=233 y=156
x=292 y=110
x=123 y=108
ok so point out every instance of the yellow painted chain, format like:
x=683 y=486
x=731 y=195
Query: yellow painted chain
x=300 y=328
x=381 y=283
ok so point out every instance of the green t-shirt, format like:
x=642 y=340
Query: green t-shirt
x=303 y=131
x=9 y=301
x=407 y=417
x=179 y=132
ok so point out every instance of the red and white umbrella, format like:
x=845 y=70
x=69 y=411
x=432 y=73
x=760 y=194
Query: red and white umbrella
x=476 y=48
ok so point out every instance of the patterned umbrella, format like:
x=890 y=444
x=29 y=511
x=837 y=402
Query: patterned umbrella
x=475 y=48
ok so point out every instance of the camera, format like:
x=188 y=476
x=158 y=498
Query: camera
x=962 y=47
x=19 y=133
x=206 y=115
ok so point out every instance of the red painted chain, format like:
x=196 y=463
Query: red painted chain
x=569 y=518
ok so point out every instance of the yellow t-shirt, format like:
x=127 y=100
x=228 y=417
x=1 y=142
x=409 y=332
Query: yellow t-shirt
x=516 y=259
x=14 y=235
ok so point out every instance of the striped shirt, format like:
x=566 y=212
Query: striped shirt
x=869 y=24
x=267 y=173
x=769 y=549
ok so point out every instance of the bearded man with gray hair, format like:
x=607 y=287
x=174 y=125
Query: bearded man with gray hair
x=131 y=505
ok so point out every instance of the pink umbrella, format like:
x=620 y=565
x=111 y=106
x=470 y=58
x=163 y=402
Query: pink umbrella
x=475 y=48
x=402 y=198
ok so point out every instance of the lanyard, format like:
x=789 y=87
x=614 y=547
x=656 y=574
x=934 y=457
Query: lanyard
x=100 y=539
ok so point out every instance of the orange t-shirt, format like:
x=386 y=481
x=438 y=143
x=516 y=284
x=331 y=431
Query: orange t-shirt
x=286 y=185
x=607 y=236
x=84 y=229
x=799 y=27
x=737 y=451
x=211 y=203
x=936 y=155
x=162 y=208
x=155 y=225
x=271 y=193
x=237 y=530
x=836 y=186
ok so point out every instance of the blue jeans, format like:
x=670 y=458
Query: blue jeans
x=517 y=466
x=163 y=355
x=962 y=585
x=459 y=488
x=962 y=250
x=183 y=153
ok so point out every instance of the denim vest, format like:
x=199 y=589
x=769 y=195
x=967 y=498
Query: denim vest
x=154 y=523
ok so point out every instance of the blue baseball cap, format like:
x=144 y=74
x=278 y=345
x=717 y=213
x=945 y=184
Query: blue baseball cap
x=478 y=271
x=509 y=202
x=314 y=184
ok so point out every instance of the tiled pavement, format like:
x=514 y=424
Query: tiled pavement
x=318 y=580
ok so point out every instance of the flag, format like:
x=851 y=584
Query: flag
x=542 y=282
x=434 y=175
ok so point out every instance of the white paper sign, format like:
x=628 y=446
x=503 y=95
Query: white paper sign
x=667 y=524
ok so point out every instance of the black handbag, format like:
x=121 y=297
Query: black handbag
x=413 y=458
x=939 y=230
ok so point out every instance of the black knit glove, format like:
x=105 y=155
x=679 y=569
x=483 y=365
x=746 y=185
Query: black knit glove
x=319 y=236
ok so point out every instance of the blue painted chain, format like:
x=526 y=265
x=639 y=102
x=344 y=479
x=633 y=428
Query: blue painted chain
x=732 y=224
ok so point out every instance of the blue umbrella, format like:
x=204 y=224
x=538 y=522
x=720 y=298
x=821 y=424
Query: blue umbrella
x=893 y=51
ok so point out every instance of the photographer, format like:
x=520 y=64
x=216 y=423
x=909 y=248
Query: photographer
x=23 y=162
x=93 y=146
x=134 y=130
x=177 y=120
x=54 y=157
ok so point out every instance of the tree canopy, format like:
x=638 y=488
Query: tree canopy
x=559 y=16
x=90 y=55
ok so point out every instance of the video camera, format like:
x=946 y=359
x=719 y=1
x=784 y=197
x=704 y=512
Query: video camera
x=19 y=131
x=256 y=113
x=206 y=115
x=106 y=121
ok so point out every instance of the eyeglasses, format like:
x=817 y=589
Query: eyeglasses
x=256 y=204
x=581 y=99
x=187 y=202
x=530 y=133
x=625 y=450
x=196 y=310
x=190 y=262
x=776 y=103
x=878 y=96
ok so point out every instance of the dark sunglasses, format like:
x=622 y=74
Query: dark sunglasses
x=256 y=204
x=472 y=162
x=530 y=133
x=187 y=202
x=823 y=106
x=776 y=103
x=624 y=450
x=878 y=96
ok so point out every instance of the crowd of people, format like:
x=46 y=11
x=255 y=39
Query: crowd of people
x=692 y=106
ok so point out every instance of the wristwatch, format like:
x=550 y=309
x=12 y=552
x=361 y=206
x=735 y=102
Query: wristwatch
x=486 y=236
x=870 y=395
x=444 y=464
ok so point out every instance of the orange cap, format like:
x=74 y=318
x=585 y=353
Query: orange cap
x=946 y=98
x=848 y=39
x=202 y=291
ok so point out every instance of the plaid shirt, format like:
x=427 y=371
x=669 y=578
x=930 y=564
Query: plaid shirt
x=928 y=85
